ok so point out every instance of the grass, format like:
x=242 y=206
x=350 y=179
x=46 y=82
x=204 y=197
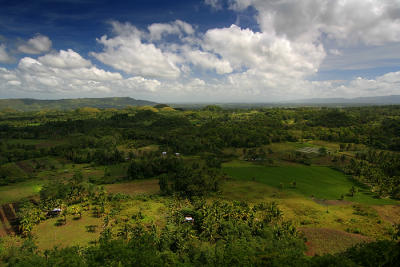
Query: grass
x=322 y=240
x=152 y=210
x=18 y=191
x=119 y=170
x=148 y=186
x=73 y=233
x=320 y=182
x=12 y=170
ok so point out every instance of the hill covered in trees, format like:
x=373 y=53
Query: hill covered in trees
x=28 y=104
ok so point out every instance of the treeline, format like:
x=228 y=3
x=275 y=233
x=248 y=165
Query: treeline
x=194 y=131
x=176 y=176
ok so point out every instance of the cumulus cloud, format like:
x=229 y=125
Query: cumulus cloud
x=178 y=27
x=127 y=52
x=36 y=45
x=66 y=72
x=386 y=84
x=276 y=60
x=372 y=22
x=222 y=50
x=264 y=52
x=4 y=56
x=65 y=60
x=207 y=61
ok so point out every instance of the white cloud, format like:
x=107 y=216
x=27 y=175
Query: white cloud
x=386 y=84
x=4 y=56
x=216 y=4
x=335 y=52
x=36 y=45
x=66 y=72
x=128 y=53
x=264 y=52
x=294 y=41
x=64 y=60
x=371 y=22
x=178 y=27
x=207 y=60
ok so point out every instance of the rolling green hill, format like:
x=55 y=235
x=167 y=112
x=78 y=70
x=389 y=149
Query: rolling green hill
x=27 y=104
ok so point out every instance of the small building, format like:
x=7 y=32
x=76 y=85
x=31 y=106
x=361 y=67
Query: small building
x=189 y=219
x=177 y=154
x=54 y=212
x=164 y=153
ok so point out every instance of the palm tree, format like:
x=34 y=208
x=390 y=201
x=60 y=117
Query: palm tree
x=64 y=213
x=26 y=226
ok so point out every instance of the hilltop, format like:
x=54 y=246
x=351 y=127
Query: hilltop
x=28 y=104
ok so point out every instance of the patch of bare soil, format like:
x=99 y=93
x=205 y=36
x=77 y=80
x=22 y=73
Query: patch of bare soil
x=324 y=240
x=26 y=167
x=135 y=188
x=48 y=144
x=389 y=213
x=331 y=202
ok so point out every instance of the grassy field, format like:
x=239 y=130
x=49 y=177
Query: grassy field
x=74 y=232
x=320 y=182
x=148 y=186
x=323 y=240
x=18 y=191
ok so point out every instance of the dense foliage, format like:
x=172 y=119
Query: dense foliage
x=184 y=150
x=222 y=234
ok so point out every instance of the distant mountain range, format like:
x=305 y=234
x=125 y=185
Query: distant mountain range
x=27 y=104
x=374 y=100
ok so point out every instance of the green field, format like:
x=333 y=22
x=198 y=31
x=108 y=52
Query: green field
x=16 y=192
x=320 y=182
x=74 y=232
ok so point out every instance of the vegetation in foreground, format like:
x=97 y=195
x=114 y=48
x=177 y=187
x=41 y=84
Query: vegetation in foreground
x=158 y=186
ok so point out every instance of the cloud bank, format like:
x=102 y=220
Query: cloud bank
x=175 y=62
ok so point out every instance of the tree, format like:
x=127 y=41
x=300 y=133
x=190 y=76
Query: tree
x=352 y=191
x=26 y=226
x=322 y=151
x=396 y=232
x=76 y=210
x=64 y=213
x=163 y=183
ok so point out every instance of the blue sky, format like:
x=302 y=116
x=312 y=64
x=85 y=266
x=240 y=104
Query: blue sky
x=205 y=50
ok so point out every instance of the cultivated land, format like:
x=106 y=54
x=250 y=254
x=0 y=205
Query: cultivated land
x=329 y=224
x=104 y=181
